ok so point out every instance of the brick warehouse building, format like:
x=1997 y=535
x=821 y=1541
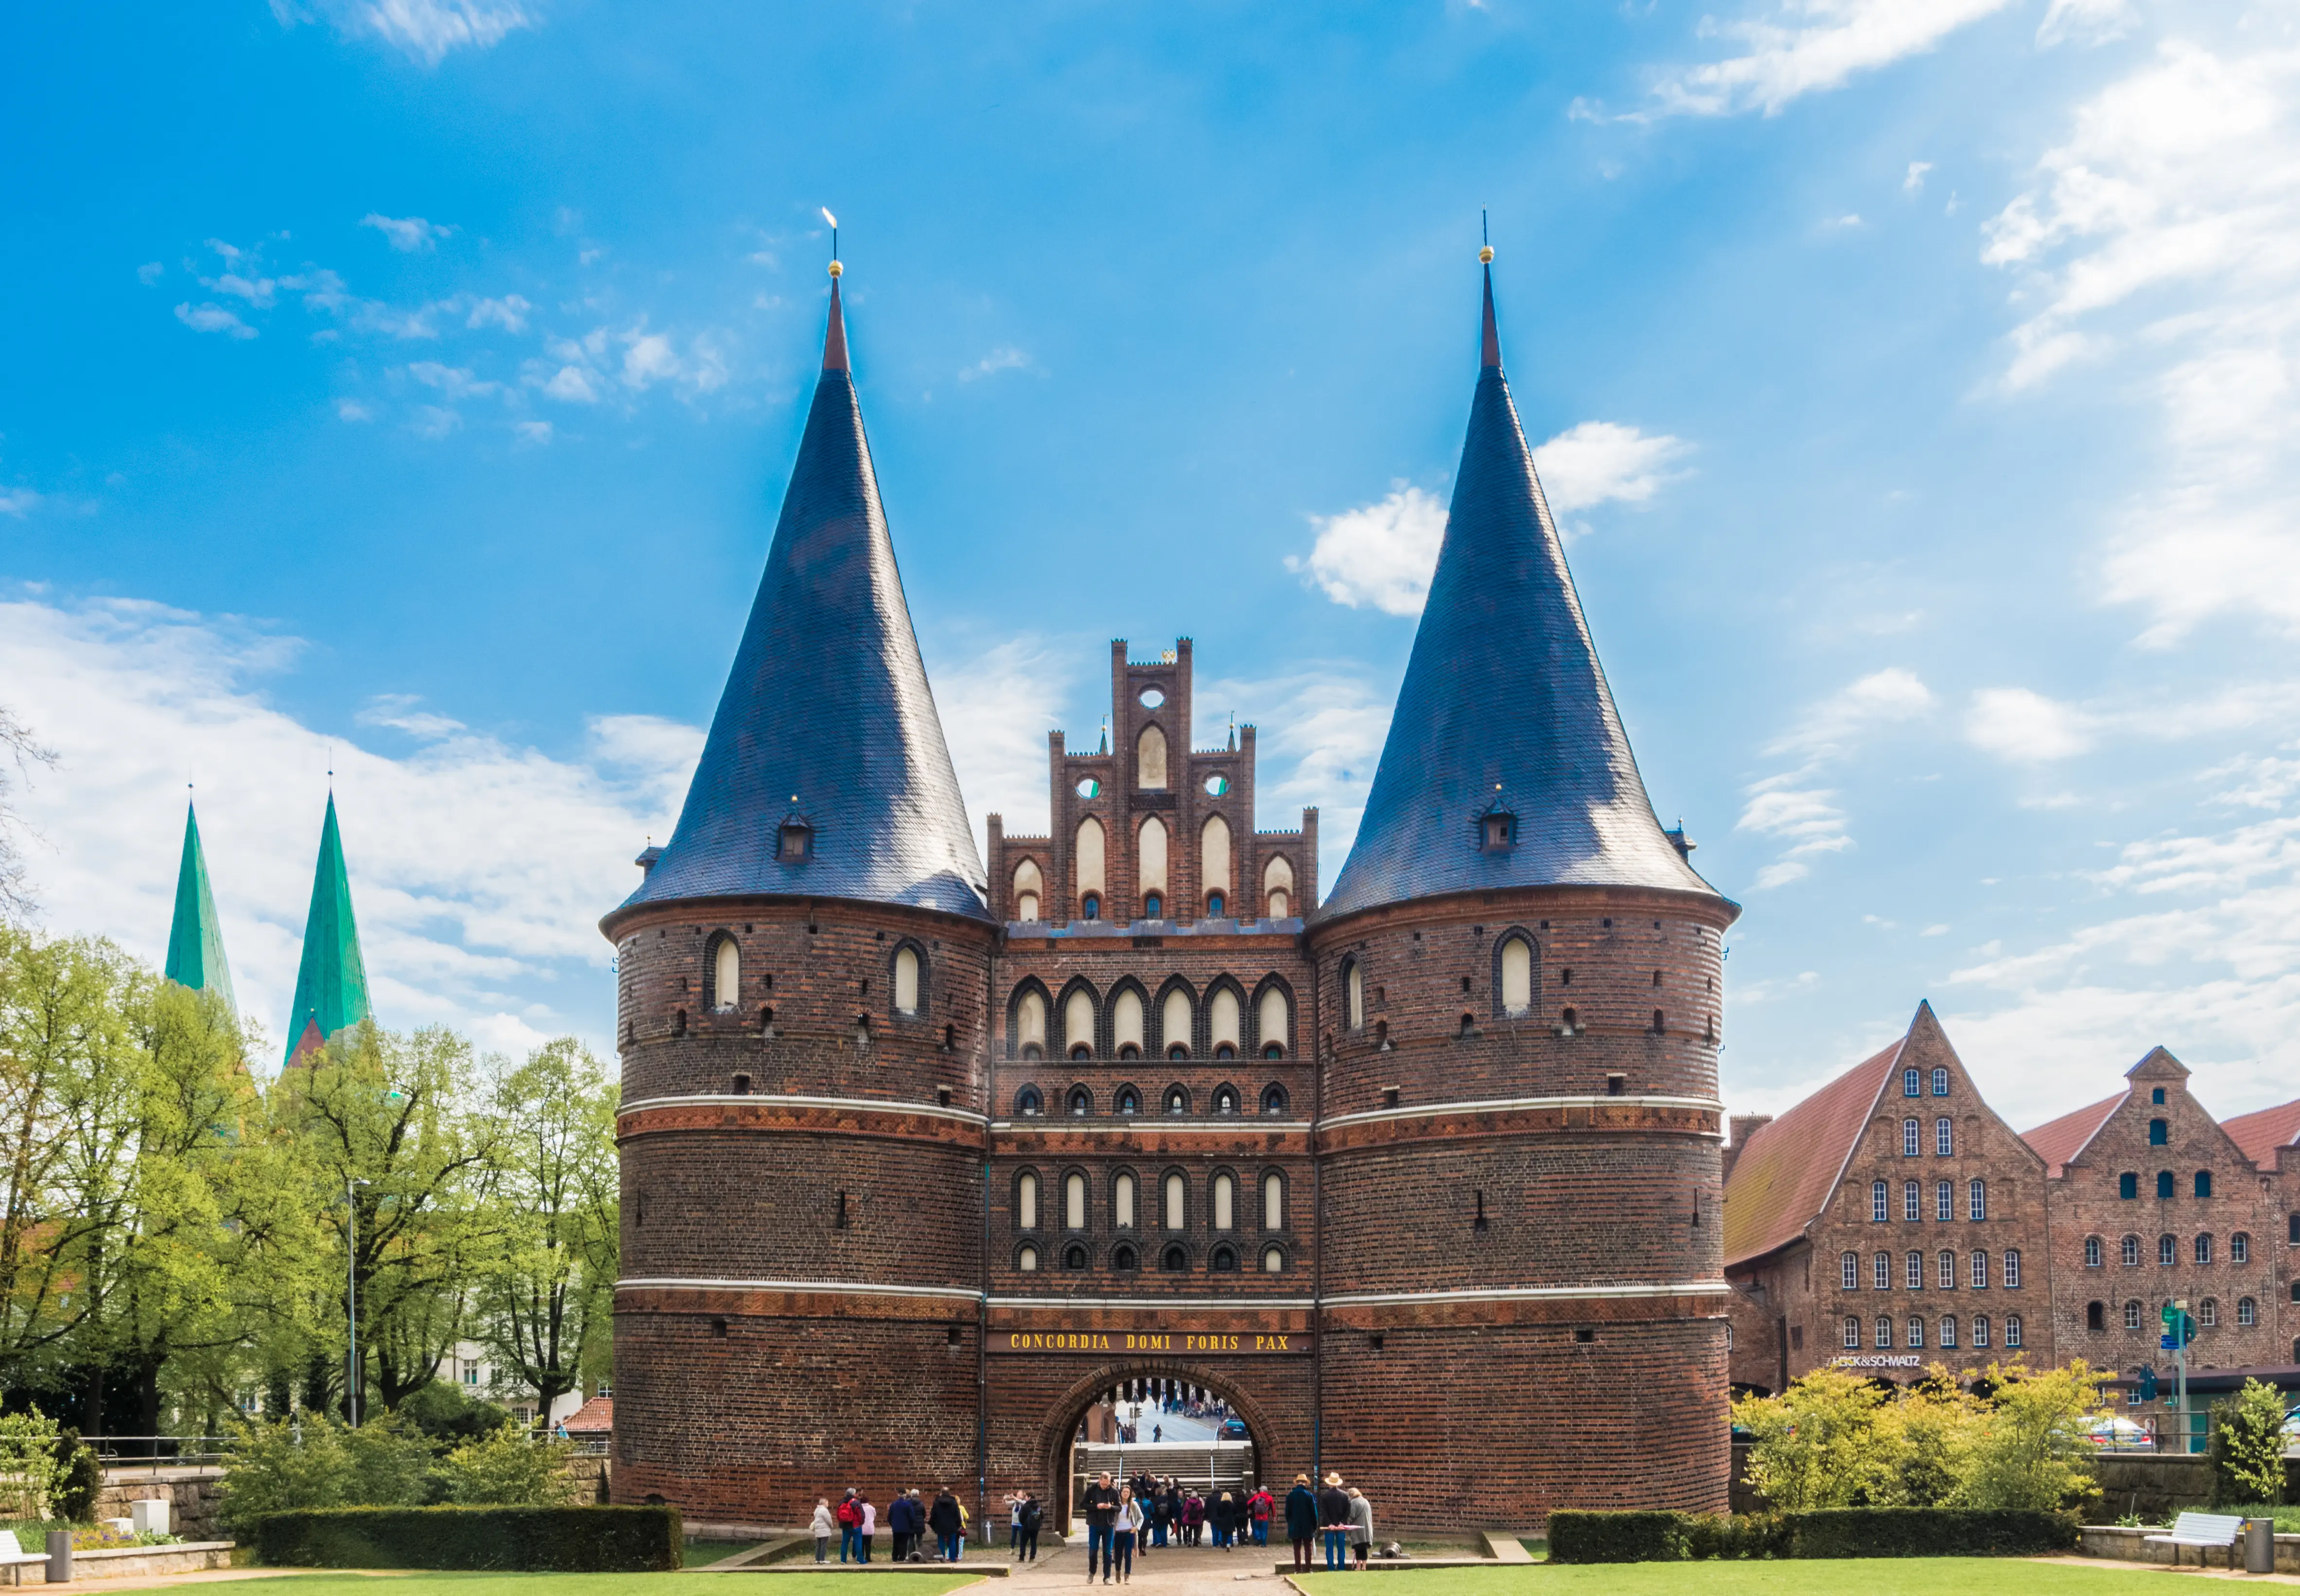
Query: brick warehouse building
x=919 y=1160
x=1856 y=1218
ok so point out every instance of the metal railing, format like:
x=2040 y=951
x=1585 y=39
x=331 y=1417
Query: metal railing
x=161 y=1452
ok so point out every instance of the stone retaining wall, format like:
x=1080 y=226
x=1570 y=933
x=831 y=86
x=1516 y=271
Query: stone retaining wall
x=193 y=1495
x=125 y=1562
x=2131 y=1546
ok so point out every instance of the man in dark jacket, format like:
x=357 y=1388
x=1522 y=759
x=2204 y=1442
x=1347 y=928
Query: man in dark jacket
x=1026 y=1540
x=1301 y=1520
x=903 y=1522
x=1334 y=1518
x=1101 y=1505
x=944 y=1520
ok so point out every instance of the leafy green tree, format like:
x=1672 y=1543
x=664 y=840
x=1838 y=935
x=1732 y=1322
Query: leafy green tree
x=1815 y=1444
x=19 y=751
x=2033 y=1447
x=546 y=1292
x=508 y=1470
x=1923 y=1443
x=2248 y=1446
x=315 y=1460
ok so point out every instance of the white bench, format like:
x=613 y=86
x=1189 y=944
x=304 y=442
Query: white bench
x=14 y=1558
x=2201 y=1530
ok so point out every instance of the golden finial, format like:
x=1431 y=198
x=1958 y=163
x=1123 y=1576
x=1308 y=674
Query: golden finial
x=1486 y=255
x=836 y=269
x=1485 y=241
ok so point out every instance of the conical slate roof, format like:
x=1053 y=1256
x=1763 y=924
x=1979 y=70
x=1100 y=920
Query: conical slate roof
x=1504 y=707
x=331 y=982
x=196 y=939
x=827 y=719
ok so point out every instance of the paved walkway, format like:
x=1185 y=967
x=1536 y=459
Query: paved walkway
x=1169 y=1571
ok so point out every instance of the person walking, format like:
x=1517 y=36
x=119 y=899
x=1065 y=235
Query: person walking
x=1258 y=1509
x=1028 y=1518
x=1360 y=1526
x=1125 y=1530
x=1101 y=1505
x=1301 y=1520
x=868 y=1528
x=824 y=1523
x=1334 y=1520
x=948 y=1522
x=850 y=1519
x=1193 y=1518
x=1224 y=1514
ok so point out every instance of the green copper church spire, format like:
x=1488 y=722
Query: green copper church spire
x=332 y=983
x=196 y=941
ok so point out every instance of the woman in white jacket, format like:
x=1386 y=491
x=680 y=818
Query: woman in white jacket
x=1125 y=1533
x=1360 y=1526
x=825 y=1527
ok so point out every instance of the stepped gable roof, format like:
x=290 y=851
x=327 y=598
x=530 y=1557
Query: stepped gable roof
x=1783 y=1178
x=827 y=719
x=2059 y=1141
x=1504 y=707
x=196 y=957
x=331 y=981
x=2266 y=1132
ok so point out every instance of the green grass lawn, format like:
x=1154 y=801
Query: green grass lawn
x=703 y=1553
x=1873 y=1576
x=321 y=1582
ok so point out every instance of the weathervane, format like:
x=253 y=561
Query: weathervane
x=834 y=267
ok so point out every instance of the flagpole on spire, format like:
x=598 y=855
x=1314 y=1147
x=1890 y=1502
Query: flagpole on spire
x=834 y=335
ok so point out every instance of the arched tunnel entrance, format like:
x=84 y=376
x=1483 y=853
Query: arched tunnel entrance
x=1165 y=1421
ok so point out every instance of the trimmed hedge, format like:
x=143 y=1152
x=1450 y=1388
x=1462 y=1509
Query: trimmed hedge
x=504 y=1540
x=1577 y=1536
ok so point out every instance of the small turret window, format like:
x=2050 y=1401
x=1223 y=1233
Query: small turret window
x=794 y=843
x=906 y=981
x=1030 y=887
x=726 y=974
x=1278 y=887
x=1498 y=832
x=1352 y=995
x=1517 y=976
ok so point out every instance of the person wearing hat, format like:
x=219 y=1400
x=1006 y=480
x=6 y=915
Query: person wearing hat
x=1301 y=1520
x=1334 y=1520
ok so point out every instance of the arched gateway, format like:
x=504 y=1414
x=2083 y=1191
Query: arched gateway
x=1422 y=1179
x=1064 y=1459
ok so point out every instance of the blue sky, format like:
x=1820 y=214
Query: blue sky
x=409 y=386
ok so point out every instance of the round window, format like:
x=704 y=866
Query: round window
x=1088 y=787
x=1216 y=786
x=1152 y=697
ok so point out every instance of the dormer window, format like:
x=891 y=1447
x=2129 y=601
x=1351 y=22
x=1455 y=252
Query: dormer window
x=794 y=842
x=1500 y=830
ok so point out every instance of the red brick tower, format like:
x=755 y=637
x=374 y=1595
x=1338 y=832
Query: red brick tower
x=1520 y=1284
x=801 y=1020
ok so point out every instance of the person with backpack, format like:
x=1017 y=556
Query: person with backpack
x=1258 y=1509
x=850 y=1520
x=948 y=1522
x=823 y=1525
x=1028 y=1518
x=1301 y=1520
x=1193 y=1519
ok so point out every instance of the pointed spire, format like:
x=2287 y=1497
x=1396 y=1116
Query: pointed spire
x=196 y=957
x=331 y=982
x=1505 y=764
x=828 y=698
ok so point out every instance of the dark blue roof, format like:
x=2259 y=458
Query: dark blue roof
x=827 y=712
x=1504 y=706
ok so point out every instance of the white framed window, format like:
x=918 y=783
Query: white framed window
x=2092 y=1253
x=1980 y=1271
x=1849 y=1271
x=2167 y=1250
x=1940 y=1082
x=1916 y=1332
x=1882 y=1271
x=2012 y=1269
x=1944 y=1200
x=1944 y=1137
x=2132 y=1315
x=2239 y=1248
x=2203 y=1248
x=1913 y=1199
x=1884 y=1331
x=1912 y=1083
x=1914 y=1274
x=2012 y=1331
x=1979 y=1330
x=1853 y=1330
x=2129 y=1252
x=2247 y=1312
x=1911 y=1135
x=2208 y=1313
x=1947 y=1272
x=1976 y=1200
x=1948 y=1331
x=1881 y=1202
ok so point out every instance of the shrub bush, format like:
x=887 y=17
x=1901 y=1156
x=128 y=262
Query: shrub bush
x=501 y=1540
x=1646 y=1537
x=507 y=1470
x=313 y=1460
x=80 y=1478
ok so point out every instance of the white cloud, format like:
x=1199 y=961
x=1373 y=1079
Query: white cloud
x=573 y=384
x=509 y=312
x=1915 y=181
x=1382 y=555
x=1319 y=736
x=1887 y=697
x=647 y=359
x=1809 y=45
x=996 y=361
x=433 y=422
x=486 y=922
x=150 y=272
x=18 y=502
x=2159 y=233
x=429 y=30
x=352 y=410
x=214 y=319
x=1797 y=807
x=456 y=382
x=1596 y=463
x=2084 y=22
x=407 y=234
x=2016 y=724
x=998 y=703
x=532 y=432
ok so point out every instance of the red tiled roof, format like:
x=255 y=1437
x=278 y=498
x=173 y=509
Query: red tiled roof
x=2261 y=1133
x=594 y=1417
x=2057 y=1141
x=1783 y=1176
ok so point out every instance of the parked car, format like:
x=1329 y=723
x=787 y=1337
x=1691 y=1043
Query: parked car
x=1234 y=1429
